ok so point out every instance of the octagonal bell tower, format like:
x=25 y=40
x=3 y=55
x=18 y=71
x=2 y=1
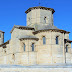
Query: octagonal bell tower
x=39 y=16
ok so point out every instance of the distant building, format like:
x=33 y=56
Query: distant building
x=38 y=43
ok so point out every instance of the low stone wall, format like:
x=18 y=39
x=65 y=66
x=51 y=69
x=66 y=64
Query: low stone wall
x=35 y=68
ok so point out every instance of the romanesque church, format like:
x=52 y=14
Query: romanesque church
x=38 y=43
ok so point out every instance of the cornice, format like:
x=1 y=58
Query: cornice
x=52 y=30
x=39 y=7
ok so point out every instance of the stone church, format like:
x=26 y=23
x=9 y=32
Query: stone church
x=38 y=43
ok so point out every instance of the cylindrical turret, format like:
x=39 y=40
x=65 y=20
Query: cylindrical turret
x=1 y=37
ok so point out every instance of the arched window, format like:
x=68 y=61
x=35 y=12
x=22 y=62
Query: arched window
x=56 y=39
x=44 y=40
x=45 y=19
x=66 y=48
x=32 y=46
x=24 y=47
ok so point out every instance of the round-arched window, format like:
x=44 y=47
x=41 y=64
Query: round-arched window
x=32 y=46
x=44 y=40
x=45 y=19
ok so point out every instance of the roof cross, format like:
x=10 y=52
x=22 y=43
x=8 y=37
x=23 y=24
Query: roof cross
x=39 y=3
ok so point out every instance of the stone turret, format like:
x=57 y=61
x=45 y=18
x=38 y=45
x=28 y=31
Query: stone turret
x=1 y=37
x=37 y=16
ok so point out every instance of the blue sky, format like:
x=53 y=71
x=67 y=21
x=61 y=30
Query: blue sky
x=13 y=12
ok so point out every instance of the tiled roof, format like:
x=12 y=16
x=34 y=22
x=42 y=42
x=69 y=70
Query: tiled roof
x=21 y=27
x=48 y=27
x=39 y=7
x=39 y=28
x=5 y=43
x=68 y=40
